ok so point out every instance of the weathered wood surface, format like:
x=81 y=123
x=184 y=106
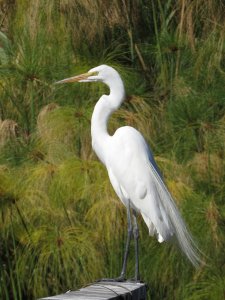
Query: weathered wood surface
x=106 y=291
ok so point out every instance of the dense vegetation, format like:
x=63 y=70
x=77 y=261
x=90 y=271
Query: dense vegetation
x=61 y=225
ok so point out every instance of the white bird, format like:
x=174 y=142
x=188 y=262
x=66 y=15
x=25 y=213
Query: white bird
x=133 y=171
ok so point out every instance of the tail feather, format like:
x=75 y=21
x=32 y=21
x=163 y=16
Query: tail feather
x=184 y=238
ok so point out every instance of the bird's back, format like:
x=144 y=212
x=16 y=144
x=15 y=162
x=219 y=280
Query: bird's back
x=128 y=154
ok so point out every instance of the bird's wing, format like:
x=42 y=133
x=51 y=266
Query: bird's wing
x=131 y=179
x=136 y=172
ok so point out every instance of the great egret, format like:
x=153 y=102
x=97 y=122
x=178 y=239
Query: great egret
x=133 y=171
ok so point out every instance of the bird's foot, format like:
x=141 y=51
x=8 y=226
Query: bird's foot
x=117 y=279
x=135 y=279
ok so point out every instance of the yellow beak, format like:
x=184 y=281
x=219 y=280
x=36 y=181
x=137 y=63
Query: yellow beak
x=75 y=78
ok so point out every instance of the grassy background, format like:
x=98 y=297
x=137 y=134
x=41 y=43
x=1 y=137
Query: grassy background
x=61 y=225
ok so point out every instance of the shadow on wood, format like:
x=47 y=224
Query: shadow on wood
x=104 y=290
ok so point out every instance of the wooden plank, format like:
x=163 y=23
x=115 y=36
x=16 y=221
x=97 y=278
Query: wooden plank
x=106 y=290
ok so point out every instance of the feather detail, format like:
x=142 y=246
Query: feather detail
x=180 y=231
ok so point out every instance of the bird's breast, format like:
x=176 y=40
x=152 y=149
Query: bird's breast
x=100 y=148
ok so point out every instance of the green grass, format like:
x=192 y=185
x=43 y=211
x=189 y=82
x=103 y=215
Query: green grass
x=61 y=224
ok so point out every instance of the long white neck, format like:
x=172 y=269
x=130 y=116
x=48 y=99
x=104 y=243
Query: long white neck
x=105 y=106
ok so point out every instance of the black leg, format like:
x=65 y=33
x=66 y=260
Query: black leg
x=130 y=229
x=129 y=234
x=136 y=238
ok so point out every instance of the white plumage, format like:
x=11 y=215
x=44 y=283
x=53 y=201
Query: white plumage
x=131 y=167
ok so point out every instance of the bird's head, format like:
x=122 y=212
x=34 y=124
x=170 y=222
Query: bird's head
x=102 y=73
